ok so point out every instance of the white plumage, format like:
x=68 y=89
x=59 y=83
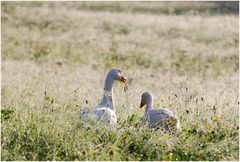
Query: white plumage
x=162 y=118
x=105 y=111
x=105 y=114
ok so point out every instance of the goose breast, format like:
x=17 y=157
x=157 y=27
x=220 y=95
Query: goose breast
x=105 y=115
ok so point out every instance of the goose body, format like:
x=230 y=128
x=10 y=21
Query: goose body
x=105 y=115
x=105 y=111
x=158 y=117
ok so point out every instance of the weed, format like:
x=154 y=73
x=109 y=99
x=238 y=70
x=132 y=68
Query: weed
x=54 y=59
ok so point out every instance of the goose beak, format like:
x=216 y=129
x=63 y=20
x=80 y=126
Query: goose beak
x=141 y=105
x=123 y=79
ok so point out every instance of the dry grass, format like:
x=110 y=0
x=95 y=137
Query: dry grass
x=55 y=57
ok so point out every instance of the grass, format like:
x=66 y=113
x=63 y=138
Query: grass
x=55 y=56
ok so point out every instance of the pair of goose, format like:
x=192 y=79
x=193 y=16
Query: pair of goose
x=105 y=111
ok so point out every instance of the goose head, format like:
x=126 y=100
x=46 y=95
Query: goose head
x=116 y=74
x=146 y=99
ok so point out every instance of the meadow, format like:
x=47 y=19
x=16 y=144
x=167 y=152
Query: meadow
x=54 y=60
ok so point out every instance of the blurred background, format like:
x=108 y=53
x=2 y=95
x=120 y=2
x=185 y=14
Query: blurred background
x=55 y=56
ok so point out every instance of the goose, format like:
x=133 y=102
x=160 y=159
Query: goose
x=105 y=111
x=158 y=118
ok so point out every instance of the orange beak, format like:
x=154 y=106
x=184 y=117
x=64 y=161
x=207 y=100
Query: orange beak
x=123 y=79
x=141 y=104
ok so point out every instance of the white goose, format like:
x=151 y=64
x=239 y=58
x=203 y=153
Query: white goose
x=105 y=111
x=162 y=117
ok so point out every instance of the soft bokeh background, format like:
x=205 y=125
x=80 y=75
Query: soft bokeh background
x=55 y=56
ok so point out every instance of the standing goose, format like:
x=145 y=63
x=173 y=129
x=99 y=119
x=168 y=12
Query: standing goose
x=158 y=117
x=105 y=111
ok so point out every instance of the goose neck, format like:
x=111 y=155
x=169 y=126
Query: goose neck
x=108 y=84
x=148 y=107
x=107 y=100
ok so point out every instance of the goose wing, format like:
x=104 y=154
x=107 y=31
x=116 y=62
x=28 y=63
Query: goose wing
x=156 y=116
x=105 y=115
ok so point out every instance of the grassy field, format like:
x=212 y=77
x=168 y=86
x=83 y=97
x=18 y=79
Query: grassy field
x=55 y=56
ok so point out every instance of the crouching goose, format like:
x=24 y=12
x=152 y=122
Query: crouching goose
x=105 y=111
x=158 y=118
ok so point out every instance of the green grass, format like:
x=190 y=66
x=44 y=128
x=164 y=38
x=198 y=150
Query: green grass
x=55 y=56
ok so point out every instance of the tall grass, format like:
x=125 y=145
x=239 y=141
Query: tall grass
x=54 y=61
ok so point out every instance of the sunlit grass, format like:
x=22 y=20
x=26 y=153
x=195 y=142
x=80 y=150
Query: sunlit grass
x=54 y=62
